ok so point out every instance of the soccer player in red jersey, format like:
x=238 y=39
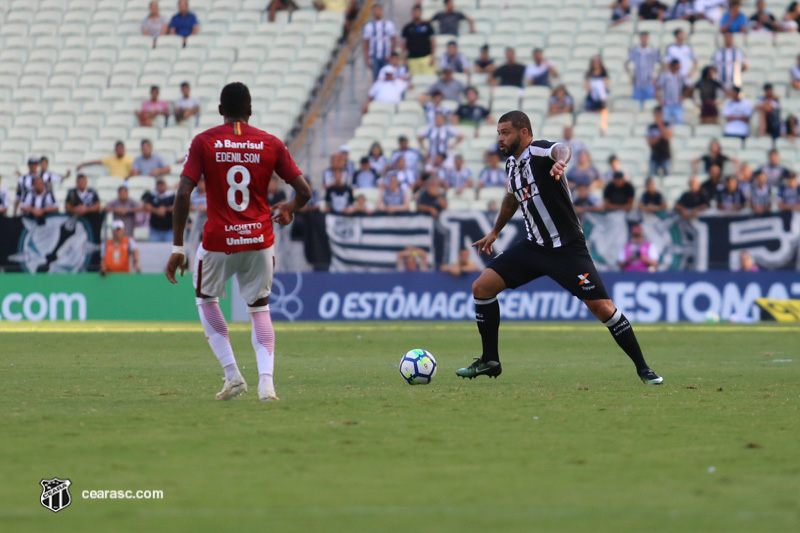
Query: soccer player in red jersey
x=237 y=162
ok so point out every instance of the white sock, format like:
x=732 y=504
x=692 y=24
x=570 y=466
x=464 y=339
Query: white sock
x=263 y=339
x=265 y=380
x=216 y=330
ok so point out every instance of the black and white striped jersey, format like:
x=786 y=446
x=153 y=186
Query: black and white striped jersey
x=546 y=204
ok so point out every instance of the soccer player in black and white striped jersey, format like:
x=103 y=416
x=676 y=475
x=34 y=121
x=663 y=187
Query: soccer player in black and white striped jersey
x=555 y=246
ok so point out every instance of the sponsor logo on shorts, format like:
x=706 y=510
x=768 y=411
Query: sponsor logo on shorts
x=584 y=282
x=232 y=241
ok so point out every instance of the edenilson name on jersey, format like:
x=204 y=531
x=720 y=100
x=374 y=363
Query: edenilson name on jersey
x=236 y=157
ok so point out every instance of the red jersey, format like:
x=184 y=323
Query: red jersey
x=237 y=161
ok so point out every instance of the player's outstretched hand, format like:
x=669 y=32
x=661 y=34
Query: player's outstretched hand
x=176 y=261
x=485 y=245
x=559 y=167
x=282 y=213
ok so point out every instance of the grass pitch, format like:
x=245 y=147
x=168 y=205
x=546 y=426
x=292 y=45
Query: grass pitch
x=567 y=439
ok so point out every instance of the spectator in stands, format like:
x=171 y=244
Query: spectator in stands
x=360 y=206
x=366 y=177
x=377 y=161
x=709 y=89
x=575 y=145
x=280 y=5
x=776 y=173
x=450 y=87
x=620 y=12
x=560 y=102
x=186 y=106
x=124 y=208
x=419 y=44
x=380 y=40
x=791 y=19
x=539 y=71
x=438 y=137
x=681 y=10
x=762 y=20
x=670 y=92
x=149 y=163
x=644 y=59
x=651 y=200
x=731 y=198
x=401 y=71
x=792 y=128
x=406 y=177
x=198 y=205
x=454 y=60
x=619 y=194
x=118 y=165
x=692 y=202
x=394 y=198
x=450 y=18
x=746 y=263
x=38 y=202
x=493 y=175
x=484 y=64
x=584 y=201
x=339 y=195
x=713 y=157
x=412 y=260
x=652 y=10
x=659 y=135
x=430 y=199
x=614 y=165
x=710 y=10
x=4 y=200
x=789 y=194
x=49 y=176
x=769 y=110
x=81 y=199
x=154 y=25
x=683 y=52
x=152 y=108
x=432 y=105
x=412 y=158
x=744 y=174
x=434 y=168
x=794 y=72
x=596 y=83
x=388 y=90
x=713 y=185
x=729 y=62
x=761 y=195
x=159 y=204
x=340 y=160
x=118 y=252
x=471 y=113
x=463 y=265
x=510 y=73
x=184 y=22
x=638 y=255
x=584 y=172
x=459 y=177
x=733 y=21
x=25 y=182
x=737 y=113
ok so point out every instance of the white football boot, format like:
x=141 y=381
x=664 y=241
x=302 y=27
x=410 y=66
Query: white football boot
x=267 y=395
x=232 y=388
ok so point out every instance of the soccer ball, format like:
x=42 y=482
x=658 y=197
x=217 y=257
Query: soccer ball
x=418 y=367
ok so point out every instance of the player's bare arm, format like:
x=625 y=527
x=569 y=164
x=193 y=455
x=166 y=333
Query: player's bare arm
x=180 y=214
x=507 y=210
x=561 y=154
x=283 y=212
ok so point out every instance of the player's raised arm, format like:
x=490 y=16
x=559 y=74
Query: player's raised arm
x=507 y=210
x=561 y=154
x=180 y=213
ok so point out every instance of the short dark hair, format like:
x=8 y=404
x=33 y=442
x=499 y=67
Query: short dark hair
x=154 y=88
x=185 y=84
x=612 y=158
x=119 y=143
x=43 y=158
x=454 y=43
x=146 y=141
x=364 y=160
x=234 y=100
x=619 y=175
x=518 y=120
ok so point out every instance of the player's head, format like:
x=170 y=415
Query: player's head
x=234 y=102
x=147 y=148
x=119 y=149
x=122 y=193
x=154 y=92
x=38 y=184
x=185 y=89
x=33 y=165
x=513 y=129
x=81 y=182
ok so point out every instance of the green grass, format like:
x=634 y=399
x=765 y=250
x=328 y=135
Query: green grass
x=567 y=439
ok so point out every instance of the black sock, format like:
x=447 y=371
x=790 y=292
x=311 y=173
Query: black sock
x=487 y=314
x=622 y=331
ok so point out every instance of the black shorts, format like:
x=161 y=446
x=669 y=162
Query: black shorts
x=570 y=266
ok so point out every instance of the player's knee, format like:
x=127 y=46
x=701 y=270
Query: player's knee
x=602 y=309
x=482 y=290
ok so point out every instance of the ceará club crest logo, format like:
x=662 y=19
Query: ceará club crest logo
x=55 y=494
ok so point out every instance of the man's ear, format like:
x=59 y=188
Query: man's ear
x=220 y=110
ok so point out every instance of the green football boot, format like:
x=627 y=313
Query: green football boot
x=481 y=368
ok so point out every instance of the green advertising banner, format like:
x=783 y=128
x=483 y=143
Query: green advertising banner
x=78 y=297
